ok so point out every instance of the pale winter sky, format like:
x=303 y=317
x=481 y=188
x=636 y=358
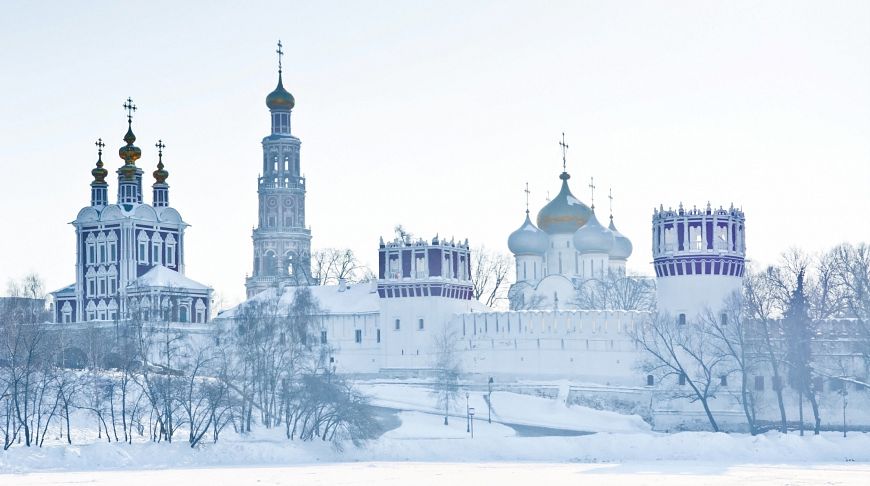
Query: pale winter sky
x=435 y=114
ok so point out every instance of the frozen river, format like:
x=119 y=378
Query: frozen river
x=439 y=474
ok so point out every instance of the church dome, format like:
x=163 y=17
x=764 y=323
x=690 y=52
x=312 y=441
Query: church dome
x=528 y=240
x=565 y=213
x=593 y=237
x=622 y=247
x=280 y=99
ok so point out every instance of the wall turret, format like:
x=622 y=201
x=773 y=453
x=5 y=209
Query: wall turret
x=699 y=257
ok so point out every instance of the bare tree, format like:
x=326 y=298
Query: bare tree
x=448 y=369
x=682 y=351
x=617 y=291
x=729 y=338
x=329 y=266
x=489 y=276
x=761 y=307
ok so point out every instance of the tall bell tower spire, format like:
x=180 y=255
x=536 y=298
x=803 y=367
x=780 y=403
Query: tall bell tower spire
x=282 y=243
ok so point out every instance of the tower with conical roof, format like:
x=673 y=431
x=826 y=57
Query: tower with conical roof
x=282 y=243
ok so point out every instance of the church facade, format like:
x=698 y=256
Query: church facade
x=130 y=254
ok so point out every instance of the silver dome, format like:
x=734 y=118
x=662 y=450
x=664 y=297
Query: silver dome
x=593 y=237
x=528 y=239
x=622 y=247
x=565 y=213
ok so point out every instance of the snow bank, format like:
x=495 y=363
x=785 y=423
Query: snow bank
x=508 y=407
x=420 y=440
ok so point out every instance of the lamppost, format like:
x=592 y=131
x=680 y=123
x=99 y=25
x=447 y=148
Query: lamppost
x=489 y=402
x=471 y=420
x=467 y=415
x=844 y=392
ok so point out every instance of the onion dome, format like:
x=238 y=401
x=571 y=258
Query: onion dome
x=565 y=213
x=593 y=237
x=622 y=247
x=528 y=239
x=160 y=175
x=280 y=99
x=130 y=153
x=99 y=172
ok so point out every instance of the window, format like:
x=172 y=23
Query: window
x=113 y=251
x=398 y=324
x=155 y=251
x=143 y=252
x=91 y=254
x=759 y=383
x=650 y=381
x=92 y=286
x=378 y=335
x=724 y=319
x=420 y=324
x=103 y=256
x=170 y=255
x=357 y=336
x=322 y=337
x=681 y=319
x=723 y=380
x=682 y=379
x=102 y=286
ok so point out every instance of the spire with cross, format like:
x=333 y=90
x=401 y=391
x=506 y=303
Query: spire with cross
x=592 y=190
x=527 y=198
x=280 y=52
x=564 y=153
x=610 y=197
x=99 y=143
x=161 y=189
x=160 y=146
x=131 y=108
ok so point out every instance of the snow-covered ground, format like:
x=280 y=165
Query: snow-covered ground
x=429 y=474
x=421 y=448
x=508 y=407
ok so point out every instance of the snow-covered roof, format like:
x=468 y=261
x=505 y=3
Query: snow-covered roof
x=68 y=290
x=359 y=298
x=160 y=276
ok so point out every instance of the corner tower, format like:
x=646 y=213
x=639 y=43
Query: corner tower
x=282 y=243
x=699 y=257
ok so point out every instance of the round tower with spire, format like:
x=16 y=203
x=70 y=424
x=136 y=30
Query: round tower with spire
x=282 y=243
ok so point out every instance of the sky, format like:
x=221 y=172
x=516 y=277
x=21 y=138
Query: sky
x=434 y=115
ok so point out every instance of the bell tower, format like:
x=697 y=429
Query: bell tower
x=282 y=243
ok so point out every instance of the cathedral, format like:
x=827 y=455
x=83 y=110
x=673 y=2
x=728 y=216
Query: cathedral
x=568 y=246
x=282 y=243
x=130 y=254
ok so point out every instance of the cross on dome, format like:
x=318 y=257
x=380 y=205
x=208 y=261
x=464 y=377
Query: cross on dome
x=610 y=196
x=280 y=52
x=527 y=197
x=131 y=108
x=592 y=187
x=564 y=152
